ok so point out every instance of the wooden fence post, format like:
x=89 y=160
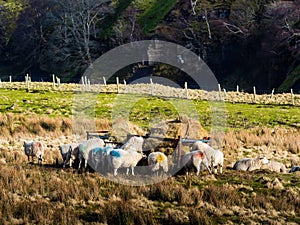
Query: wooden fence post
x=179 y=146
x=58 y=81
x=220 y=92
x=151 y=87
x=293 y=97
x=89 y=85
x=186 y=90
x=53 y=80
x=124 y=85
x=118 y=88
x=272 y=93
x=27 y=81
x=254 y=93
x=86 y=82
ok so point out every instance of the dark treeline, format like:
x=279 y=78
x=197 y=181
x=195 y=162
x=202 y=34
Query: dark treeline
x=245 y=42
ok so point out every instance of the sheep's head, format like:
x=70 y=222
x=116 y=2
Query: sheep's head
x=263 y=159
x=28 y=147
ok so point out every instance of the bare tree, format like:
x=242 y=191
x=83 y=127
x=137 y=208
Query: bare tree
x=78 y=21
x=243 y=16
x=126 y=29
x=193 y=5
x=281 y=21
x=202 y=8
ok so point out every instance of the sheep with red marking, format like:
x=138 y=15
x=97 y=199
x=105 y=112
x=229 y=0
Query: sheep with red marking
x=214 y=157
x=119 y=158
x=194 y=159
x=34 y=149
x=85 y=150
x=158 y=160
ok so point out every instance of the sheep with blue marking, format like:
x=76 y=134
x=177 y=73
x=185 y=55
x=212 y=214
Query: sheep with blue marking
x=214 y=157
x=158 y=160
x=99 y=157
x=85 y=150
x=119 y=158
x=194 y=159
x=69 y=153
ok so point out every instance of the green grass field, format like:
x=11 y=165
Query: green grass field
x=142 y=109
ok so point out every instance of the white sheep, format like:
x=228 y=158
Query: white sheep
x=158 y=160
x=69 y=153
x=250 y=164
x=214 y=157
x=134 y=143
x=128 y=159
x=194 y=159
x=34 y=149
x=294 y=169
x=85 y=150
x=274 y=166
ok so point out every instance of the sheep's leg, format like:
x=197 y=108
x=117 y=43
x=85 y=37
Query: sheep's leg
x=115 y=172
x=198 y=170
x=132 y=171
x=85 y=164
x=207 y=167
x=212 y=165
x=127 y=171
x=64 y=163
x=215 y=169
x=40 y=161
x=80 y=161
x=221 y=169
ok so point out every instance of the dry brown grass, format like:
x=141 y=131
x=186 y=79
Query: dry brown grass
x=17 y=125
x=49 y=195
x=280 y=144
x=13 y=125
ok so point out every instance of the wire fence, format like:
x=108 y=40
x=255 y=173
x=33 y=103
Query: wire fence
x=149 y=87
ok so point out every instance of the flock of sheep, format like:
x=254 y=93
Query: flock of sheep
x=103 y=157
